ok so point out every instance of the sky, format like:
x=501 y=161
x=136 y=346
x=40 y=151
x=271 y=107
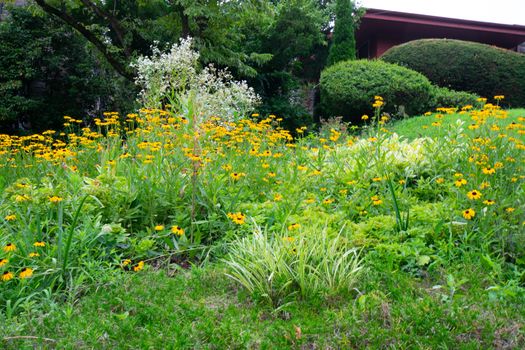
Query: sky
x=500 y=11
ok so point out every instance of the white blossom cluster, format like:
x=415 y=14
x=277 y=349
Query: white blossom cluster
x=174 y=78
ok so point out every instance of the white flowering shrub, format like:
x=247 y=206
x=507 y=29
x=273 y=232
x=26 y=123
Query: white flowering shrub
x=174 y=77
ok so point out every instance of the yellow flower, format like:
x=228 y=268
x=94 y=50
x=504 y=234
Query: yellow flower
x=179 y=231
x=474 y=194
x=3 y=262
x=489 y=202
x=34 y=255
x=309 y=200
x=499 y=97
x=126 y=262
x=10 y=217
x=26 y=273
x=288 y=239
x=55 y=199
x=376 y=200
x=402 y=182
x=440 y=180
x=364 y=117
x=9 y=247
x=328 y=201
x=238 y=218
x=294 y=226
x=139 y=266
x=237 y=176
x=469 y=213
x=484 y=185
x=159 y=227
x=39 y=244
x=460 y=182
x=377 y=179
x=277 y=197
x=509 y=209
x=6 y=276
x=488 y=171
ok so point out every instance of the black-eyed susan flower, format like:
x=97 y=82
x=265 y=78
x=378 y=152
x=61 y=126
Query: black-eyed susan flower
x=488 y=170
x=376 y=200
x=293 y=226
x=159 y=228
x=10 y=217
x=510 y=209
x=3 y=262
x=469 y=214
x=34 y=255
x=139 y=266
x=55 y=199
x=9 y=247
x=177 y=230
x=489 y=202
x=237 y=176
x=238 y=218
x=460 y=182
x=39 y=244
x=474 y=194
x=278 y=197
x=27 y=272
x=364 y=117
x=440 y=180
x=7 y=276
x=328 y=201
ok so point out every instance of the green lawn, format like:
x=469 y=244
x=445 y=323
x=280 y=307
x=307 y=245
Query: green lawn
x=202 y=308
x=412 y=128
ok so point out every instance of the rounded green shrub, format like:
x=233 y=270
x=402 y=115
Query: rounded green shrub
x=443 y=97
x=348 y=89
x=465 y=66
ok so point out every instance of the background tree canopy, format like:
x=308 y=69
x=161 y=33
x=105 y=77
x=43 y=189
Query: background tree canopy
x=279 y=46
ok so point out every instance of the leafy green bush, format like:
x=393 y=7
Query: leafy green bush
x=465 y=66
x=348 y=88
x=443 y=97
x=311 y=264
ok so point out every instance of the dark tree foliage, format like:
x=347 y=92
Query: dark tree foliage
x=46 y=72
x=122 y=30
x=343 y=43
x=296 y=41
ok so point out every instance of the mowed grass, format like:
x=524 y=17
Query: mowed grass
x=420 y=126
x=202 y=309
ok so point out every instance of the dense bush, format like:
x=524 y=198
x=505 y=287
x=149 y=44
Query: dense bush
x=348 y=88
x=465 y=66
x=443 y=97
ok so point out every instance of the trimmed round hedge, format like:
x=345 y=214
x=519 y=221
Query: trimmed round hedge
x=348 y=89
x=465 y=66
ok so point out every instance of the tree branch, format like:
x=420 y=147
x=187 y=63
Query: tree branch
x=115 y=24
x=112 y=60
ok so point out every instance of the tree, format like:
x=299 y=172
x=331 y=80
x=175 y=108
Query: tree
x=47 y=71
x=123 y=30
x=343 y=44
